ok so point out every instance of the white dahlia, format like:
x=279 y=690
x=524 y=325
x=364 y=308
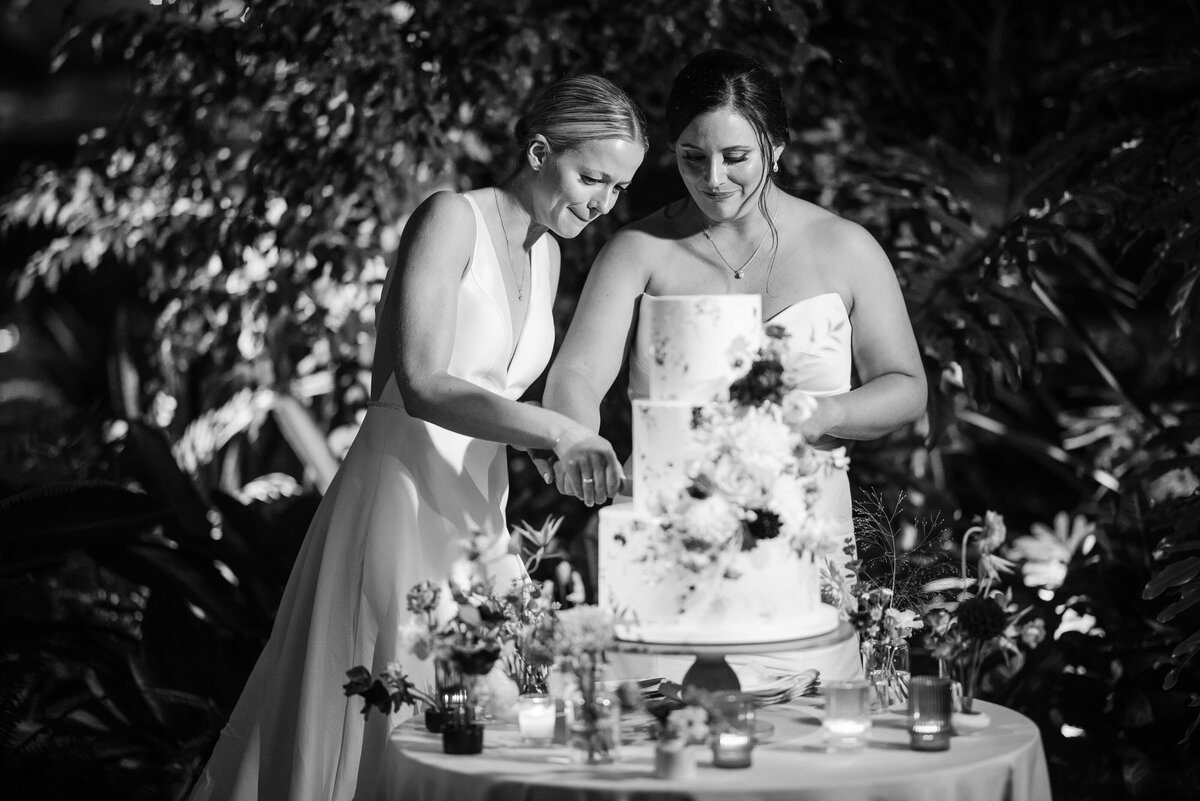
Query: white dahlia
x=706 y=524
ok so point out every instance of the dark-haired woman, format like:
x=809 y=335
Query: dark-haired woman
x=822 y=277
x=464 y=327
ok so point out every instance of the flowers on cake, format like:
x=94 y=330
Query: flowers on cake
x=753 y=479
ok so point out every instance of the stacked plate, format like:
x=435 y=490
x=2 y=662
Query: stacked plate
x=766 y=687
x=783 y=688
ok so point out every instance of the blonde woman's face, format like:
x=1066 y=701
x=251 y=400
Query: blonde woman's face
x=721 y=164
x=576 y=186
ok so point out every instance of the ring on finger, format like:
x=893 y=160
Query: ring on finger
x=589 y=480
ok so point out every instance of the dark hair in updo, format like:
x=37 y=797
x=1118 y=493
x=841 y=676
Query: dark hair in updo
x=724 y=79
x=717 y=79
x=579 y=109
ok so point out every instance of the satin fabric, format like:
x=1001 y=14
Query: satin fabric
x=405 y=496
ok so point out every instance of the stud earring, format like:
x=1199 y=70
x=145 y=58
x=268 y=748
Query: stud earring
x=775 y=167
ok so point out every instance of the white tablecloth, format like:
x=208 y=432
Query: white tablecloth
x=1004 y=762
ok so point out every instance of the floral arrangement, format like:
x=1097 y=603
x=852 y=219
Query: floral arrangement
x=886 y=602
x=877 y=620
x=980 y=621
x=753 y=480
x=471 y=626
x=578 y=639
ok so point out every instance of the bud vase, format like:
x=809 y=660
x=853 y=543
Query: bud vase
x=886 y=667
x=595 y=724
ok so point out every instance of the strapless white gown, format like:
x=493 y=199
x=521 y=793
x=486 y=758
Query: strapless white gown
x=406 y=494
x=820 y=330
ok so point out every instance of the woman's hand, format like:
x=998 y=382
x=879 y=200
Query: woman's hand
x=544 y=461
x=827 y=415
x=587 y=467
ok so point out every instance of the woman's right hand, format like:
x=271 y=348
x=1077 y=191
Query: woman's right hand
x=587 y=466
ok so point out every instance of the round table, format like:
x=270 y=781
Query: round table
x=1004 y=762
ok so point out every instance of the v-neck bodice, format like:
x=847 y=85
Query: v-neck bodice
x=819 y=329
x=489 y=351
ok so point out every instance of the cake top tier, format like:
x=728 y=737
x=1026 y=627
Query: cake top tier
x=694 y=346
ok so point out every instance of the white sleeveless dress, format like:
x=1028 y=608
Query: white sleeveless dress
x=819 y=329
x=406 y=494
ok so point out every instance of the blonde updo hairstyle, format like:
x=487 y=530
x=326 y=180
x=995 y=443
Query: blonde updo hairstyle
x=580 y=109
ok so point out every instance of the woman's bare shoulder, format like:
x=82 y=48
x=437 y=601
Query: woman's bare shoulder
x=444 y=208
x=830 y=234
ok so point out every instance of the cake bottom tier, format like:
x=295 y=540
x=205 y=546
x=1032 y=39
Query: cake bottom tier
x=767 y=594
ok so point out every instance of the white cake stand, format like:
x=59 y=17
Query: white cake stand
x=711 y=672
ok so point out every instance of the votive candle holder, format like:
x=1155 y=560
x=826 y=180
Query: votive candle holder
x=847 y=714
x=929 y=707
x=733 y=740
x=536 y=714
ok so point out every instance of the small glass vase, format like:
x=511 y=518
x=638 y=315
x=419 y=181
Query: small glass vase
x=886 y=667
x=595 y=726
x=674 y=762
x=532 y=678
x=962 y=692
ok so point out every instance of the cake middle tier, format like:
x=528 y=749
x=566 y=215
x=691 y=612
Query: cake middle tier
x=665 y=444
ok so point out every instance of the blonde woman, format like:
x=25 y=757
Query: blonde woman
x=464 y=327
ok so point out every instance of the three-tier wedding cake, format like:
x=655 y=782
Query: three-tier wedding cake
x=718 y=545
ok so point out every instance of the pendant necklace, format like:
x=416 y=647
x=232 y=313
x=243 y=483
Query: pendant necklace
x=519 y=277
x=737 y=271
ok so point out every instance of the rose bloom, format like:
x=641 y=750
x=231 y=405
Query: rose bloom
x=730 y=477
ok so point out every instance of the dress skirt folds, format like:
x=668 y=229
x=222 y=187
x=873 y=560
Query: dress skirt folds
x=405 y=496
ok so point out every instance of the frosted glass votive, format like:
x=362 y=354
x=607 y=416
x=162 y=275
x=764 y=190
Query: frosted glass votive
x=733 y=742
x=535 y=718
x=847 y=714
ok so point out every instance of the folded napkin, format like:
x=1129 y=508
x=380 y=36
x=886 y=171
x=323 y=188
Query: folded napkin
x=770 y=686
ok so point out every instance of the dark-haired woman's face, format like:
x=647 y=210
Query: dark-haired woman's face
x=721 y=164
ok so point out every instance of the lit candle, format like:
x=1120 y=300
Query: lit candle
x=535 y=718
x=847 y=714
x=734 y=738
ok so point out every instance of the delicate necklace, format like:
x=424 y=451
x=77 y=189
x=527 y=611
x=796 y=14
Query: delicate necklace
x=518 y=276
x=737 y=271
